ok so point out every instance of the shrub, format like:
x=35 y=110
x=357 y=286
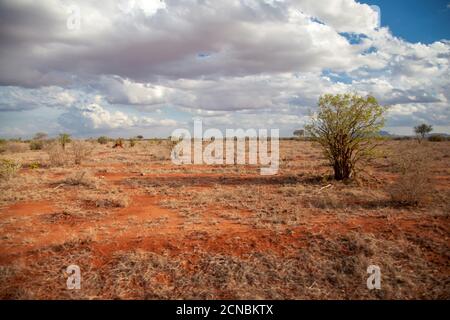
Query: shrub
x=36 y=144
x=132 y=142
x=111 y=200
x=81 y=150
x=118 y=143
x=56 y=154
x=413 y=184
x=81 y=178
x=346 y=127
x=8 y=168
x=102 y=140
x=64 y=139
x=436 y=138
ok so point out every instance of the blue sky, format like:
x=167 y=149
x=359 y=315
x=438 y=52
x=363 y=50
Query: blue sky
x=146 y=67
x=416 y=20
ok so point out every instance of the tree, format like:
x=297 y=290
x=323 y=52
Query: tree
x=422 y=130
x=346 y=126
x=299 y=133
x=40 y=136
x=64 y=138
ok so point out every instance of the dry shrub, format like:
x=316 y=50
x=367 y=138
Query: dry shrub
x=327 y=201
x=56 y=154
x=81 y=178
x=414 y=184
x=111 y=200
x=8 y=168
x=81 y=150
x=15 y=147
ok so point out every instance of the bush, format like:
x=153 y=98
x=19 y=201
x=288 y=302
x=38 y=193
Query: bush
x=36 y=145
x=8 y=168
x=64 y=139
x=346 y=126
x=132 y=143
x=56 y=154
x=118 y=143
x=81 y=150
x=413 y=185
x=81 y=178
x=436 y=138
x=102 y=140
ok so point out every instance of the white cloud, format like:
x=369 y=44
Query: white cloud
x=94 y=117
x=233 y=62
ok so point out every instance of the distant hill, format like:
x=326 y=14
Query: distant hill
x=385 y=134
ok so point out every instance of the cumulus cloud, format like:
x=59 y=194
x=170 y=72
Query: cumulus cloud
x=93 y=117
x=229 y=61
x=19 y=99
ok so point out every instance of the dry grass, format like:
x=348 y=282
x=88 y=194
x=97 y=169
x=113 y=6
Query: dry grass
x=80 y=178
x=81 y=150
x=142 y=228
x=414 y=184
x=57 y=156
x=8 y=169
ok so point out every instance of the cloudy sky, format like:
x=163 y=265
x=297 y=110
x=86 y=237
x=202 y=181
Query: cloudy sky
x=146 y=67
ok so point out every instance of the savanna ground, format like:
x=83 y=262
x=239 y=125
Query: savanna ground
x=141 y=227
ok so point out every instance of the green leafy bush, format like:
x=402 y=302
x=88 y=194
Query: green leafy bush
x=102 y=140
x=36 y=145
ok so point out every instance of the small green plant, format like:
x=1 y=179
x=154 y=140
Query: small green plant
x=102 y=140
x=132 y=142
x=8 y=168
x=64 y=138
x=34 y=165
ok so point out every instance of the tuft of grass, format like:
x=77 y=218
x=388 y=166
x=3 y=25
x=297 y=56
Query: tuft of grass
x=81 y=178
x=110 y=200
